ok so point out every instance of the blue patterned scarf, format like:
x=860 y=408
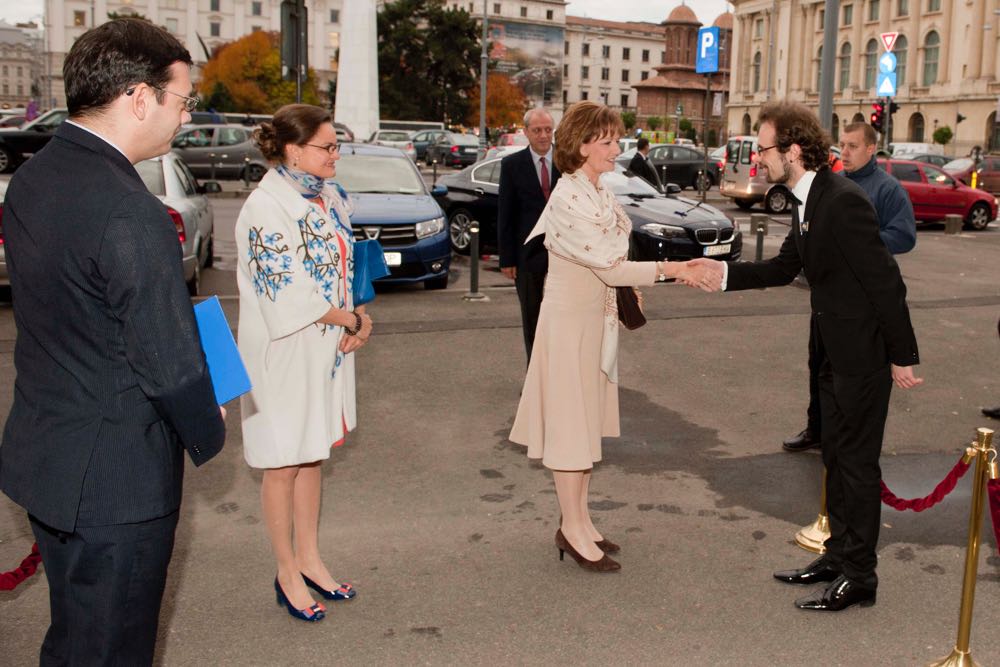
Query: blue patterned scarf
x=303 y=182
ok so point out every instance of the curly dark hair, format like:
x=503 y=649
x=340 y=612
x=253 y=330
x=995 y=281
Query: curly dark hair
x=794 y=123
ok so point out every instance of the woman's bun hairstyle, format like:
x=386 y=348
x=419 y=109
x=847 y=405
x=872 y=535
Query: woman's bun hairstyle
x=292 y=124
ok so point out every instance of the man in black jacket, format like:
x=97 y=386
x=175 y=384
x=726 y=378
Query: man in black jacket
x=862 y=326
x=640 y=166
x=112 y=385
x=526 y=180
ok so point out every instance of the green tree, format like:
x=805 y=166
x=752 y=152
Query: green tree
x=653 y=122
x=220 y=99
x=628 y=120
x=428 y=57
x=249 y=70
x=943 y=135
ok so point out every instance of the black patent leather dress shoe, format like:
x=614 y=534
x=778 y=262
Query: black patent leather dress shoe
x=839 y=595
x=801 y=442
x=816 y=572
x=993 y=413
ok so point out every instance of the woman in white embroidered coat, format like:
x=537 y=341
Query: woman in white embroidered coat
x=570 y=395
x=298 y=329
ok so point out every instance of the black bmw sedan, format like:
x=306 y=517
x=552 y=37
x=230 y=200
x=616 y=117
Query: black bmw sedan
x=663 y=226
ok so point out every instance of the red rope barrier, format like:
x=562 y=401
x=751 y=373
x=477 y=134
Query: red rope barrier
x=940 y=491
x=10 y=580
x=993 y=493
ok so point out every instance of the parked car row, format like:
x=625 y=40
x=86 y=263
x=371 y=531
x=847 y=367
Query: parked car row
x=664 y=226
x=169 y=179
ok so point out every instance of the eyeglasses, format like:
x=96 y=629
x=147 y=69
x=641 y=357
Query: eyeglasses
x=762 y=149
x=190 y=103
x=329 y=148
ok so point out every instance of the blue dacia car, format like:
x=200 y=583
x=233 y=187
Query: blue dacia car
x=394 y=206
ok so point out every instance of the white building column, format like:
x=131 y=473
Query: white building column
x=357 y=73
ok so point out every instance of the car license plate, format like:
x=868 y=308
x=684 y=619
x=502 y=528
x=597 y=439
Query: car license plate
x=726 y=185
x=717 y=249
x=471 y=150
x=396 y=258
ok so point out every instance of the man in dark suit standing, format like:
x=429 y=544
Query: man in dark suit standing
x=862 y=325
x=112 y=385
x=526 y=180
x=640 y=166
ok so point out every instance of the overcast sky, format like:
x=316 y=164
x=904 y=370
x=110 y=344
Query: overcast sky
x=619 y=10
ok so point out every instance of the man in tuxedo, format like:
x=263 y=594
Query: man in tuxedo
x=526 y=180
x=897 y=228
x=862 y=327
x=640 y=166
x=112 y=385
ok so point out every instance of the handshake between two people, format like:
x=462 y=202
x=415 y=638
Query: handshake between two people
x=702 y=273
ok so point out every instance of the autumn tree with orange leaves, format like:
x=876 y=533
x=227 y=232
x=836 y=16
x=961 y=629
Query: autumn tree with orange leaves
x=505 y=103
x=245 y=76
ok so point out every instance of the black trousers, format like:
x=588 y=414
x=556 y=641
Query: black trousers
x=814 y=416
x=854 y=412
x=105 y=587
x=530 y=287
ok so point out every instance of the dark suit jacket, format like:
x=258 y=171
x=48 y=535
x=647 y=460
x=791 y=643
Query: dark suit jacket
x=520 y=205
x=641 y=167
x=858 y=295
x=111 y=380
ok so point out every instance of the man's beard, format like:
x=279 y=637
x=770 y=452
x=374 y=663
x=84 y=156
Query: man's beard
x=786 y=173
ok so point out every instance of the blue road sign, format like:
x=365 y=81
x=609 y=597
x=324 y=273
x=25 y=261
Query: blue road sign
x=887 y=63
x=708 y=51
x=885 y=85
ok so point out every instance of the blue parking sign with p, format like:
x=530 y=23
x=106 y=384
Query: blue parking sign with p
x=708 y=51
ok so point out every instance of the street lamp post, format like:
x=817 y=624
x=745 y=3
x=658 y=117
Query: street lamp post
x=483 y=139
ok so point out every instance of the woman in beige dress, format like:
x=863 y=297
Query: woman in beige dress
x=570 y=396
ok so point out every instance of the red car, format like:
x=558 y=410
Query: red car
x=935 y=194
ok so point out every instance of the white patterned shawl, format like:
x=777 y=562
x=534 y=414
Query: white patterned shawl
x=587 y=226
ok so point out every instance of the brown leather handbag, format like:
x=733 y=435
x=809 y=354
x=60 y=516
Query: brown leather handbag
x=629 y=312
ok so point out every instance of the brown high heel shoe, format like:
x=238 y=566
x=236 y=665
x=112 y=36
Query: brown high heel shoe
x=605 y=545
x=603 y=565
x=608 y=547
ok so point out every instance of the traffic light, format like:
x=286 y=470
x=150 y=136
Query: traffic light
x=959 y=118
x=876 y=118
x=893 y=108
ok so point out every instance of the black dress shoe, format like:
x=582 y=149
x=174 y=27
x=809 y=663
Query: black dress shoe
x=816 y=572
x=801 y=442
x=993 y=413
x=840 y=594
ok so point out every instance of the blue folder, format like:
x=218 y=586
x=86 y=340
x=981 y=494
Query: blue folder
x=229 y=375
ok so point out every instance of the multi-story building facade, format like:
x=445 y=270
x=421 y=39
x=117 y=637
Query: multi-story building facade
x=947 y=64
x=676 y=91
x=20 y=71
x=604 y=60
x=201 y=25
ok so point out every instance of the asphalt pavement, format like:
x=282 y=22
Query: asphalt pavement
x=446 y=529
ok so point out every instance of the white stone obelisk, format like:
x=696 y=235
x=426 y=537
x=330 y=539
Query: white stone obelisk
x=357 y=69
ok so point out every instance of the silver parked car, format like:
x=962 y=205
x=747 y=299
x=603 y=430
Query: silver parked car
x=394 y=139
x=171 y=181
x=221 y=151
x=4 y=279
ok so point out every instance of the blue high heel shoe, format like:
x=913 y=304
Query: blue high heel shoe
x=317 y=612
x=345 y=592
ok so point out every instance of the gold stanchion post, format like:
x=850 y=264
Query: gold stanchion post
x=812 y=537
x=961 y=656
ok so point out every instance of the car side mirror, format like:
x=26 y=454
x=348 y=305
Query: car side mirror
x=209 y=187
x=439 y=190
x=672 y=189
